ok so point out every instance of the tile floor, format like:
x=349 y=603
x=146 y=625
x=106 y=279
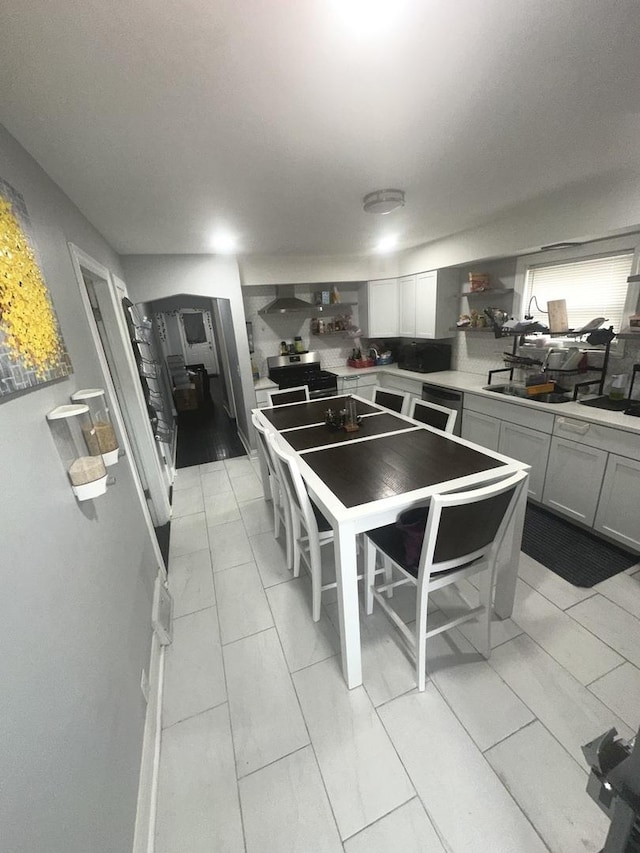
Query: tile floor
x=264 y=749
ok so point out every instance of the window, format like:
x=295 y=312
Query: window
x=594 y=287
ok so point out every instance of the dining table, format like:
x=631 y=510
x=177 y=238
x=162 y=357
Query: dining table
x=366 y=478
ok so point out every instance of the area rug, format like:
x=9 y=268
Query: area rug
x=575 y=554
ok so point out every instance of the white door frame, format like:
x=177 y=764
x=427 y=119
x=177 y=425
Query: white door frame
x=156 y=509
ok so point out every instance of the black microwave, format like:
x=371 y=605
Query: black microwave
x=425 y=358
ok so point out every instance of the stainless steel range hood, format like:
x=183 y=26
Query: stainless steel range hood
x=286 y=302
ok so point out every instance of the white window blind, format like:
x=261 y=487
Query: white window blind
x=596 y=287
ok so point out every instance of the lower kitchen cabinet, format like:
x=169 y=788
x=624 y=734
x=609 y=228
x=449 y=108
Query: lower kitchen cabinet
x=481 y=429
x=618 y=514
x=360 y=384
x=529 y=446
x=574 y=477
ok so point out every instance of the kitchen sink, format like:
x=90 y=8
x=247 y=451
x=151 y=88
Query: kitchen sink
x=606 y=403
x=549 y=397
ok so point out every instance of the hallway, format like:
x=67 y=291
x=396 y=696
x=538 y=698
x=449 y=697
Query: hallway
x=264 y=749
x=207 y=434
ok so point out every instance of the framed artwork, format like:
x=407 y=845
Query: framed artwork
x=32 y=350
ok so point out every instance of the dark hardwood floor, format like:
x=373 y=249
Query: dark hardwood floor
x=207 y=434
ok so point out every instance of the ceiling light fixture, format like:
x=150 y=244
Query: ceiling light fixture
x=387 y=244
x=383 y=201
x=224 y=243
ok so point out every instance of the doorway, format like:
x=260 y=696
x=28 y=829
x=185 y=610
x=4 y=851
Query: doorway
x=101 y=293
x=196 y=337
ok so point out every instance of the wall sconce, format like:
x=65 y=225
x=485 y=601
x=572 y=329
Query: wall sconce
x=75 y=439
x=105 y=440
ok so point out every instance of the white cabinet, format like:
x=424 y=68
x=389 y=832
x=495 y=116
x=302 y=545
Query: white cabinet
x=361 y=384
x=574 y=477
x=528 y=446
x=378 y=308
x=618 y=514
x=407 y=306
x=481 y=429
x=427 y=304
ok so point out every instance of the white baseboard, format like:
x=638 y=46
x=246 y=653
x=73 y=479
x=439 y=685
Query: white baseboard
x=144 y=837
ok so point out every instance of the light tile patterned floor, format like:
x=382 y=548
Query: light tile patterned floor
x=266 y=751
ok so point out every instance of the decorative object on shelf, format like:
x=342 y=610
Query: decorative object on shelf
x=383 y=201
x=75 y=439
x=335 y=296
x=479 y=281
x=32 y=350
x=105 y=439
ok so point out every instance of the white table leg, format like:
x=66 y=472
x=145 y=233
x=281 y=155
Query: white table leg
x=264 y=475
x=347 y=577
x=510 y=559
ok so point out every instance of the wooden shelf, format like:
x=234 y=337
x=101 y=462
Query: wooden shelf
x=492 y=291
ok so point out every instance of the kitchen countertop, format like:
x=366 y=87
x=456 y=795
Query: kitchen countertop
x=473 y=383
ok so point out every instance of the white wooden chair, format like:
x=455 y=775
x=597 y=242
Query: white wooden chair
x=310 y=529
x=432 y=414
x=462 y=535
x=280 y=500
x=396 y=401
x=288 y=395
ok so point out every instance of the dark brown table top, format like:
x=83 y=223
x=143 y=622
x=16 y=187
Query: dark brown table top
x=304 y=414
x=360 y=472
x=315 y=436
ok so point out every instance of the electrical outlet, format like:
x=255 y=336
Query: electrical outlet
x=144 y=685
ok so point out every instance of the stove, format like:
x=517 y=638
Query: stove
x=289 y=371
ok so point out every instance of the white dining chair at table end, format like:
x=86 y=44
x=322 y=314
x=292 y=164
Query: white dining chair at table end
x=445 y=556
x=311 y=531
x=280 y=500
x=431 y=414
x=395 y=401
x=299 y=394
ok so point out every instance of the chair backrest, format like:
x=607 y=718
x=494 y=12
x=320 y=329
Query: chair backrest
x=463 y=526
x=396 y=401
x=433 y=415
x=293 y=483
x=265 y=445
x=288 y=395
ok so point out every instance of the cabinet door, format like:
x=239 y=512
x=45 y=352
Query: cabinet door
x=574 y=477
x=425 y=304
x=407 y=306
x=481 y=429
x=618 y=513
x=528 y=446
x=383 y=308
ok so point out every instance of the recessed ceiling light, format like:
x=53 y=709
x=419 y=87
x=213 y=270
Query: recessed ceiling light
x=383 y=201
x=368 y=17
x=387 y=244
x=224 y=243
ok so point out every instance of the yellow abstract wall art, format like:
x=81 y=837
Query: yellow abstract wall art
x=32 y=350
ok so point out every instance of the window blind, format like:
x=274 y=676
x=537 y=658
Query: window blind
x=596 y=287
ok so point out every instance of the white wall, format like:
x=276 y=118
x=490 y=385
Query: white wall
x=76 y=583
x=153 y=277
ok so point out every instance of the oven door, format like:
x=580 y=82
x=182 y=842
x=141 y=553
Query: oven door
x=318 y=393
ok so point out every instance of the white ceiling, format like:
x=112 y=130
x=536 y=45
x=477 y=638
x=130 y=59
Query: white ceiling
x=272 y=118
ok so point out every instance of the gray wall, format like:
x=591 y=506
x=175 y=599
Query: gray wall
x=76 y=583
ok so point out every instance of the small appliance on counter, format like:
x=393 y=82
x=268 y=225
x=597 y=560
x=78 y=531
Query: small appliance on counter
x=425 y=358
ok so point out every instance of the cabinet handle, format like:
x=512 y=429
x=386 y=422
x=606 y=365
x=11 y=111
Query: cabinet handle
x=573 y=426
x=350 y=378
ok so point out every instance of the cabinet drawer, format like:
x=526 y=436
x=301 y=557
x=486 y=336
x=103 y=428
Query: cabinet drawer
x=401 y=383
x=512 y=412
x=595 y=435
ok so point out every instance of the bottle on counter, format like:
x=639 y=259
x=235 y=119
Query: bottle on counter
x=297 y=344
x=284 y=349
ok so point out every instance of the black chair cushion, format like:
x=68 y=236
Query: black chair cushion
x=402 y=541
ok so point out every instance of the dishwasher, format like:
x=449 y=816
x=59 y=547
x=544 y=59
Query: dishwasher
x=445 y=397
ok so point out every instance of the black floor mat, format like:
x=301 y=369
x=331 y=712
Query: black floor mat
x=575 y=554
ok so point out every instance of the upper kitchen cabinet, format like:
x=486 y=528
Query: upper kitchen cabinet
x=427 y=304
x=378 y=308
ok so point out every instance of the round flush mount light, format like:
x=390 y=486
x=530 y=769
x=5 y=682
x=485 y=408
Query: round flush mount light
x=387 y=244
x=383 y=201
x=224 y=243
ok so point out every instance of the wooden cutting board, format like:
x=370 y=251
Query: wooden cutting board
x=557 y=309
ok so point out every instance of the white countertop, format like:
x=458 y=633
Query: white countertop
x=475 y=383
